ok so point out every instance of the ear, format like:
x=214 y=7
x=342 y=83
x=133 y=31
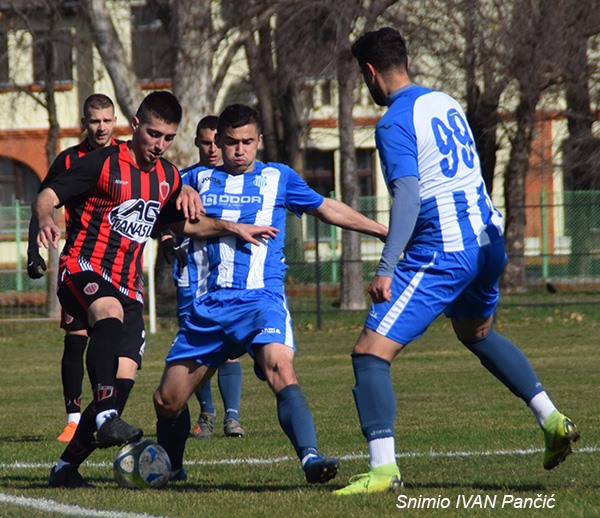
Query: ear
x=370 y=71
x=135 y=124
x=82 y=122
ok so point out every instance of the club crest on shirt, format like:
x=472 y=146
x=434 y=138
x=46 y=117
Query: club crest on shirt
x=164 y=189
x=134 y=219
x=260 y=181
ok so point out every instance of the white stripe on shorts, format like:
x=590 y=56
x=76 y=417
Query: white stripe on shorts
x=398 y=307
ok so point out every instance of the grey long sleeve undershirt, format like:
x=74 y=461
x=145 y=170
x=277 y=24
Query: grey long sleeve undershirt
x=404 y=211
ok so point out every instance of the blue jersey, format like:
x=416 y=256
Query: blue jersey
x=424 y=133
x=259 y=197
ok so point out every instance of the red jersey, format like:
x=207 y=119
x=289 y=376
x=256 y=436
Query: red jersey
x=114 y=206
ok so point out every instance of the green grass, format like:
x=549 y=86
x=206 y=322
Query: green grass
x=447 y=403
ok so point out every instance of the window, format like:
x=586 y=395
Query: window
x=318 y=171
x=4 y=78
x=17 y=182
x=55 y=48
x=153 y=57
x=364 y=170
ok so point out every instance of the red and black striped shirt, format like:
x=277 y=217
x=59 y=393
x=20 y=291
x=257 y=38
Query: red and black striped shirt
x=114 y=207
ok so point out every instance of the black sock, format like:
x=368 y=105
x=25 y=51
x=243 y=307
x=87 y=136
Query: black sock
x=72 y=371
x=81 y=446
x=124 y=387
x=102 y=361
x=172 y=435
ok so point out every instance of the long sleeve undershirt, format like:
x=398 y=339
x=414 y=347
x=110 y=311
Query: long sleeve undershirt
x=404 y=212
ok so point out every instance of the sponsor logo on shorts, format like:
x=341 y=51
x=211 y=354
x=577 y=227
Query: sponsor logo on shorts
x=373 y=313
x=91 y=288
x=270 y=331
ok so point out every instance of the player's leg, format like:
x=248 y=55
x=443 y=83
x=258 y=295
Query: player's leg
x=504 y=359
x=230 y=386
x=205 y=426
x=72 y=371
x=295 y=418
x=179 y=381
x=391 y=325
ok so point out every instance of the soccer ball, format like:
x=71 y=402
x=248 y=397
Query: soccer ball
x=142 y=464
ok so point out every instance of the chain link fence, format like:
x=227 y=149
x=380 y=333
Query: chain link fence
x=562 y=251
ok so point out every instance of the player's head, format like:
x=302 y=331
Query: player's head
x=380 y=53
x=98 y=120
x=154 y=127
x=238 y=136
x=205 y=141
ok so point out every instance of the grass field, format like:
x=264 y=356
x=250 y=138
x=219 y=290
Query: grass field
x=461 y=436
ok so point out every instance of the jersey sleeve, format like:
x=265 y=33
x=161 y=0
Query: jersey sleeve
x=170 y=213
x=300 y=198
x=58 y=167
x=82 y=176
x=397 y=150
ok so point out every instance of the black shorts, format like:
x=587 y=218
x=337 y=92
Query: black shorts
x=69 y=323
x=79 y=290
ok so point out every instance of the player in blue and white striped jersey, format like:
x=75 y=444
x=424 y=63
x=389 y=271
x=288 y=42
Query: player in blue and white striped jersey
x=245 y=308
x=445 y=225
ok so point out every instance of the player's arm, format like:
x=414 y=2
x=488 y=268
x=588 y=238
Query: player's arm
x=43 y=209
x=188 y=201
x=206 y=228
x=341 y=215
x=404 y=212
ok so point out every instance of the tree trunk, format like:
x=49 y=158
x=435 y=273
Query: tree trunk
x=352 y=289
x=115 y=59
x=514 y=279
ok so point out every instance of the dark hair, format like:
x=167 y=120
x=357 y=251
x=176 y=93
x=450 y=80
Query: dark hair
x=97 y=102
x=162 y=105
x=236 y=116
x=208 y=122
x=384 y=49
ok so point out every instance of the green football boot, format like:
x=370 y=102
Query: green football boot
x=378 y=480
x=559 y=433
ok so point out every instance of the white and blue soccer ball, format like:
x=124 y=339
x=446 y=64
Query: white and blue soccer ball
x=142 y=464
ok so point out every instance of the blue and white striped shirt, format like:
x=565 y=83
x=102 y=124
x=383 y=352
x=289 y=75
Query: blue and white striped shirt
x=424 y=133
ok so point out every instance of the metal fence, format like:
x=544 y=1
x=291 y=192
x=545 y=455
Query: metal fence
x=562 y=247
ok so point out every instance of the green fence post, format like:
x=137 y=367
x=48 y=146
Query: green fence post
x=333 y=235
x=18 y=277
x=544 y=235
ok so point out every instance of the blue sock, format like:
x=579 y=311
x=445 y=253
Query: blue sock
x=204 y=395
x=374 y=396
x=230 y=386
x=172 y=434
x=296 y=420
x=506 y=361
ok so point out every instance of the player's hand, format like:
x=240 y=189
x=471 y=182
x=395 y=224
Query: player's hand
x=252 y=233
x=379 y=290
x=189 y=202
x=49 y=235
x=36 y=266
x=173 y=252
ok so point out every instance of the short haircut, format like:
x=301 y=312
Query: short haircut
x=163 y=105
x=208 y=122
x=384 y=49
x=97 y=102
x=236 y=116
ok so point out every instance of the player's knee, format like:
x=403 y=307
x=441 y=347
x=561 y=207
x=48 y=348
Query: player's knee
x=280 y=373
x=164 y=405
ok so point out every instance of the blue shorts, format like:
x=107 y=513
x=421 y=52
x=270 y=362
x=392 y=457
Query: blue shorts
x=185 y=300
x=227 y=323
x=427 y=283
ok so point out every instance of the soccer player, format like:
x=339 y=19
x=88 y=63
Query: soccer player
x=445 y=224
x=244 y=309
x=99 y=123
x=116 y=195
x=230 y=373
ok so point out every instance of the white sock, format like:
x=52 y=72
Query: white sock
x=101 y=417
x=306 y=457
x=74 y=417
x=542 y=407
x=382 y=451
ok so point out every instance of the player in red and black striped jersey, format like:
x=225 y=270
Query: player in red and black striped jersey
x=116 y=196
x=99 y=123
